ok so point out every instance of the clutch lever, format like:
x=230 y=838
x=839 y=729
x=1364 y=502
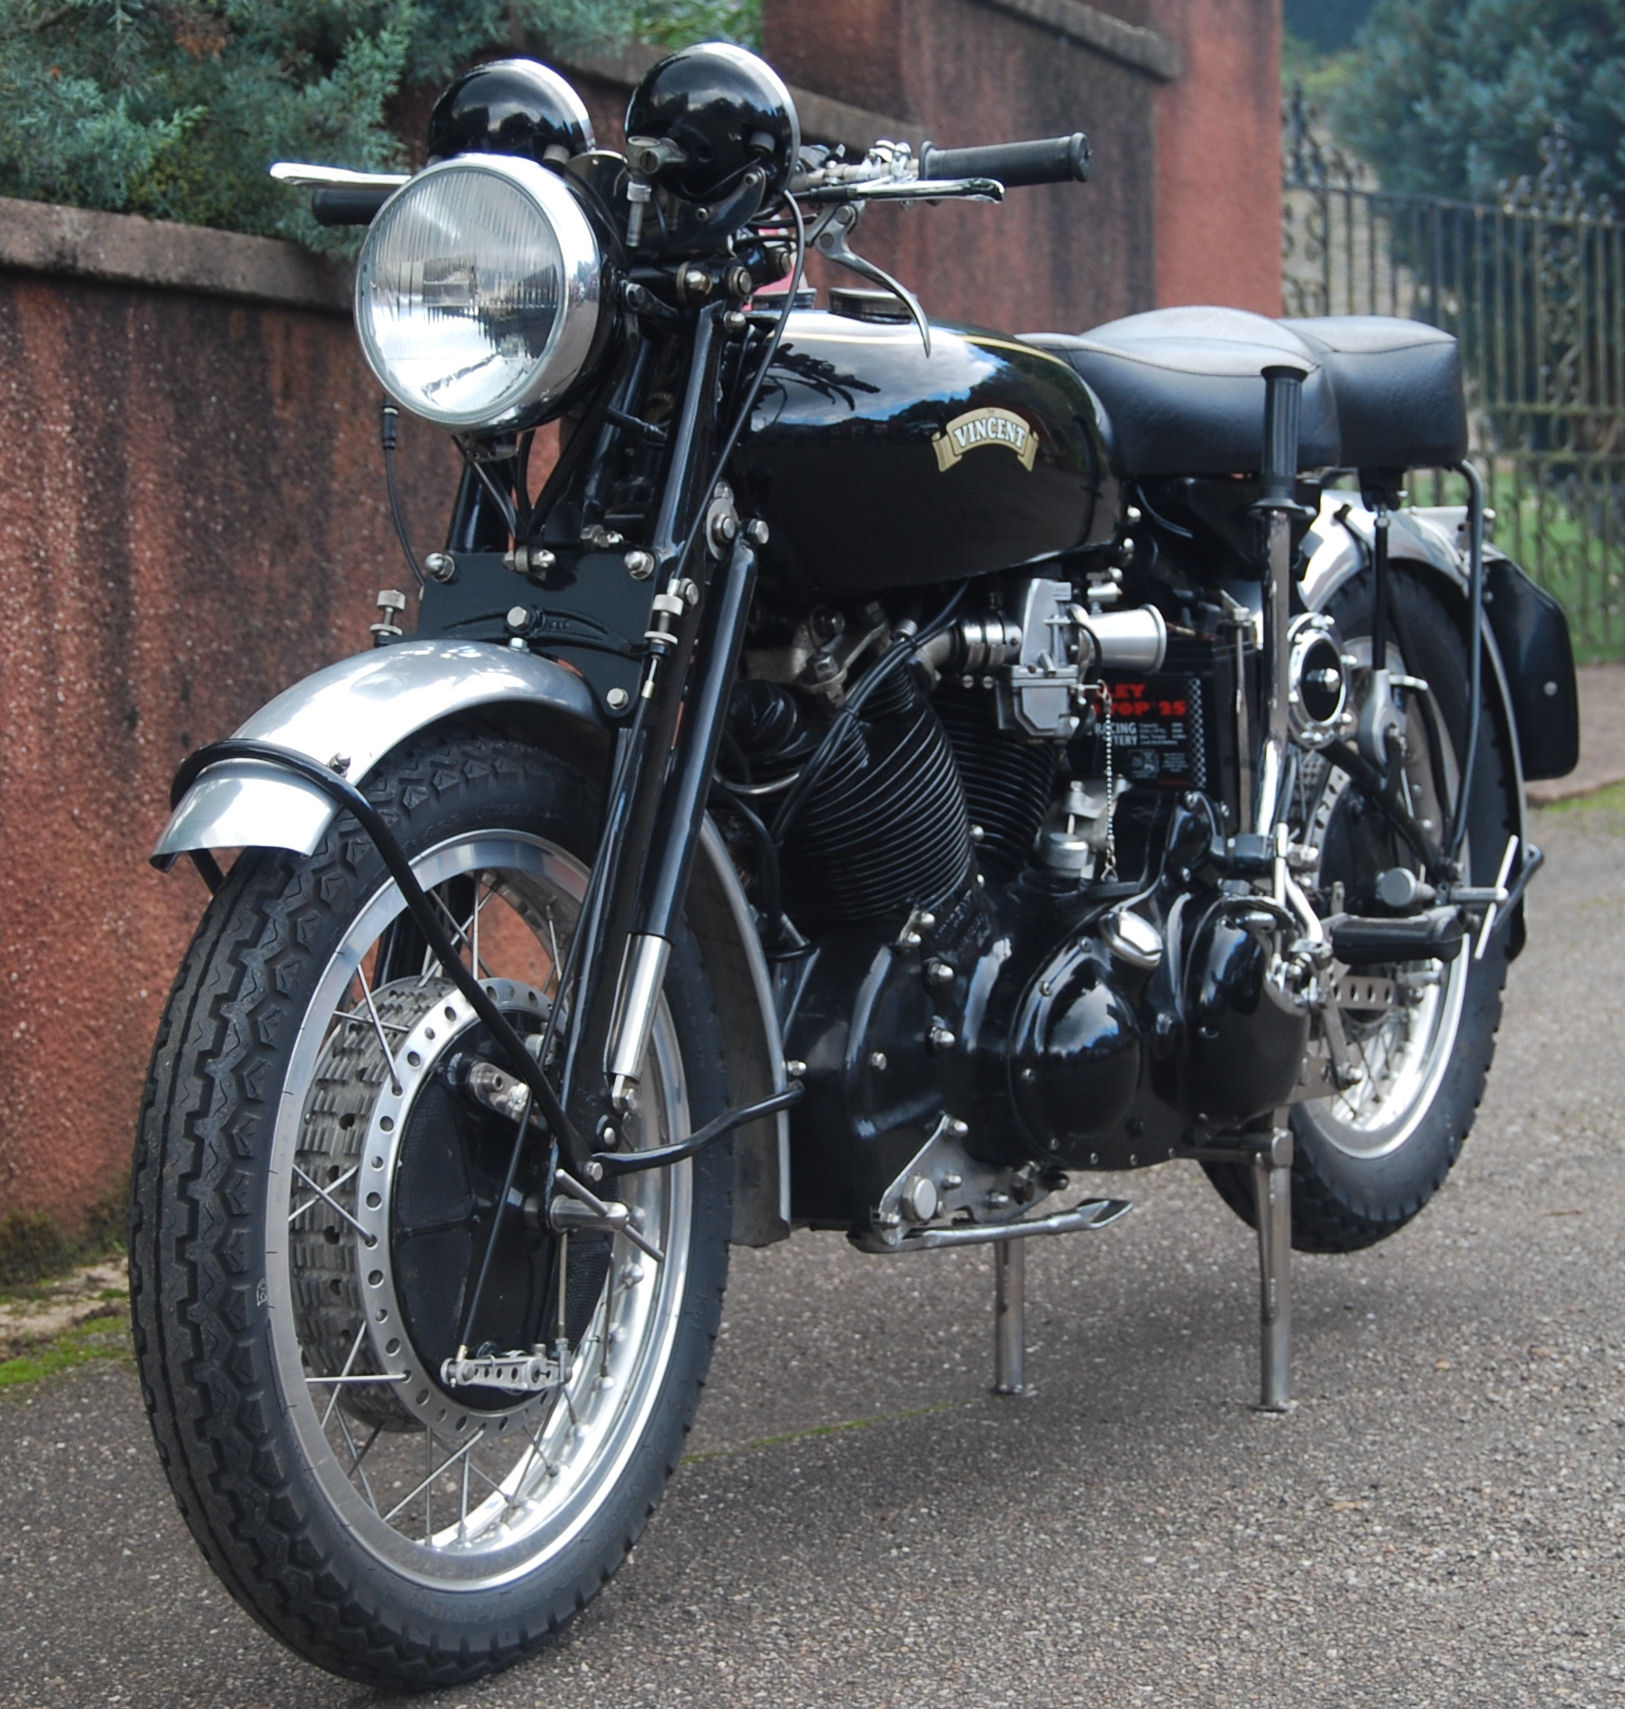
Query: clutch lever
x=831 y=242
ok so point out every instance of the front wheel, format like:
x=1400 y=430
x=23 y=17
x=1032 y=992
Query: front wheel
x=1420 y=1034
x=315 y=1198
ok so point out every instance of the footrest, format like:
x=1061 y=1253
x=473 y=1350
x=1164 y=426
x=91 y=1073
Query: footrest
x=1369 y=940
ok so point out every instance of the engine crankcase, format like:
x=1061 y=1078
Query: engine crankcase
x=1245 y=1032
x=1074 y=1055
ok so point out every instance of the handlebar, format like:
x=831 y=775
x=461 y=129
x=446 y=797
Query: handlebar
x=348 y=206
x=1048 y=160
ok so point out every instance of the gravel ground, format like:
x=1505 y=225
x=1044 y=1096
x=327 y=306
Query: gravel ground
x=1440 y=1522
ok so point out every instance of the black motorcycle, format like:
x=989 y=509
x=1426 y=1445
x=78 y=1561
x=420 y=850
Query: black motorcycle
x=883 y=767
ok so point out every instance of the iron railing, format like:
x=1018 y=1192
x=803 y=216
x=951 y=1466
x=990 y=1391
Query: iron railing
x=1534 y=287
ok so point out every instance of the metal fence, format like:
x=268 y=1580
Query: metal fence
x=1534 y=287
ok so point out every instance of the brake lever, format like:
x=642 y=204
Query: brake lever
x=907 y=190
x=831 y=243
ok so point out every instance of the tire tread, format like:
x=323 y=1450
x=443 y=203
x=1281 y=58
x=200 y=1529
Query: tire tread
x=203 y=1373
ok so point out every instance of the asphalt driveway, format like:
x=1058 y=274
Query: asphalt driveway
x=1441 y=1520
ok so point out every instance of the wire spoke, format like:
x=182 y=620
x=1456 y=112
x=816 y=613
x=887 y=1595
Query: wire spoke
x=359 y=1018
x=437 y=1471
x=465 y=933
x=333 y=1399
x=378 y=1028
x=332 y=1187
x=363 y=1377
x=553 y=949
x=357 y=1455
x=322 y=1193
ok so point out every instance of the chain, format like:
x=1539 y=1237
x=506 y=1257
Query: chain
x=1102 y=692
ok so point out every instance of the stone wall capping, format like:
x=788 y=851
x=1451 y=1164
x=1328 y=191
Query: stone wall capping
x=126 y=249
x=1129 y=44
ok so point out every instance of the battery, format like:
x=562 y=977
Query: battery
x=1160 y=732
x=1176 y=730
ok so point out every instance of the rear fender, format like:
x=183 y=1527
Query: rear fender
x=354 y=713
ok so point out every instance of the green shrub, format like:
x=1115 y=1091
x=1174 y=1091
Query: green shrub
x=174 y=108
x=31 y=1247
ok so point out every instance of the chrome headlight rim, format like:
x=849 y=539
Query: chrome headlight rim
x=570 y=346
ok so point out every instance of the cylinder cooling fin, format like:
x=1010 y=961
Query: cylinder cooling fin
x=1008 y=779
x=884 y=826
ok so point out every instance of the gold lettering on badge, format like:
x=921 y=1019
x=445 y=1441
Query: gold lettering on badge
x=979 y=427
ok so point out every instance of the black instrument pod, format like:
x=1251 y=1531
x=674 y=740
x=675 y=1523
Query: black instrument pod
x=718 y=110
x=510 y=106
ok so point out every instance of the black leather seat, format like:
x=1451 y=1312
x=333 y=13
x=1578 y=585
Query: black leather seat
x=1398 y=386
x=1184 y=390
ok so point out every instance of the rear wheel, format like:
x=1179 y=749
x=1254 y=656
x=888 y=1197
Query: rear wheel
x=1421 y=1035
x=314 y=1202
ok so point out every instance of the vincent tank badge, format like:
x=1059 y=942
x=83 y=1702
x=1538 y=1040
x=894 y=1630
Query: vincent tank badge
x=979 y=427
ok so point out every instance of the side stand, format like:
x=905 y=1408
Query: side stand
x=1009 y=1317
x=1268 y=1156
x=1272 y=1211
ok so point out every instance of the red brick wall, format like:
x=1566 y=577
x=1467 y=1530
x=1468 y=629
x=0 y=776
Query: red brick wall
x=1059 y=257
x=1219 y=155
x=1184 y=204
x=192 y=519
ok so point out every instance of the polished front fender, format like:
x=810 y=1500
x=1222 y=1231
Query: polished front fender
x=352 y=714
x=348 y=717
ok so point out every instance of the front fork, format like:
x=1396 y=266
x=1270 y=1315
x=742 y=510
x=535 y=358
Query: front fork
x=664 y=758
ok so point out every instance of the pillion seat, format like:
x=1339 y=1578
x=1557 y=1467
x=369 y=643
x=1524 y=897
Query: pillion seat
x=1184 y=393
x=1398 y=387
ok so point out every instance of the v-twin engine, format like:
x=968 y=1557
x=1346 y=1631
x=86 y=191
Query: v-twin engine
x=983 y=1000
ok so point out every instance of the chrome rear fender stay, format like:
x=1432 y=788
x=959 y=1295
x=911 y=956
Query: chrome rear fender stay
x=351 y=715
x=1344 y=532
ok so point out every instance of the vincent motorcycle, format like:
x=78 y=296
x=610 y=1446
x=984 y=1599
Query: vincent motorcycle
x=879 y=768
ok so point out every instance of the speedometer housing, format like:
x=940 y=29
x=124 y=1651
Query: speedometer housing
x=480 y=293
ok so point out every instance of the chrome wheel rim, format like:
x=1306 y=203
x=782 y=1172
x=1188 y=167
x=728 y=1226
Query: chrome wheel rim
x=471 y=1497
x=1401 y=1023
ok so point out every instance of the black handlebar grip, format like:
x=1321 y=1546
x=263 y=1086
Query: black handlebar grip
x=1049 y=160
x=1278 y=471
x=347 y=206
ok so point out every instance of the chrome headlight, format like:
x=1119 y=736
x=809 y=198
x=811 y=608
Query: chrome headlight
x=477 y=292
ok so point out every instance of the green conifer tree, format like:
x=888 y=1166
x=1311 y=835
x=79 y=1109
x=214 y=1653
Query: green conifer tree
x=174 y=108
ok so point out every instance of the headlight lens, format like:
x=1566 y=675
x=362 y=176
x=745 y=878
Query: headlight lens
x=477 y=292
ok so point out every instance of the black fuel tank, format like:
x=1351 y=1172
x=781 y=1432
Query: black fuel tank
x=878 y=466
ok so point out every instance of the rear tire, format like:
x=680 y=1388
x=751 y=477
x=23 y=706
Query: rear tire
x=1365 y=1162
x=310 y=1196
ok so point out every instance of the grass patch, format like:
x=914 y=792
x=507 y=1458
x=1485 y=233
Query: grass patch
x=1608 y=802
x=105 y=1336
x=814 y=1431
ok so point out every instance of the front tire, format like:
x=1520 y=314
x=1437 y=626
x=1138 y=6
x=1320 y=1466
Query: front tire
x=1422 y=1033
x=312 y=1201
